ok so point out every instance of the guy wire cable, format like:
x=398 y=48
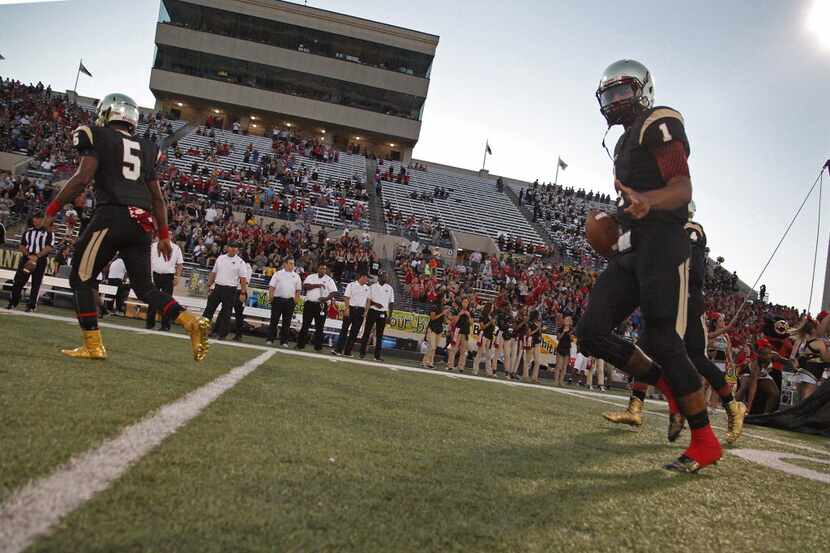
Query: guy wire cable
x=786 y=232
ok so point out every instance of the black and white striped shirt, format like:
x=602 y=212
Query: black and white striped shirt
x=37 y=239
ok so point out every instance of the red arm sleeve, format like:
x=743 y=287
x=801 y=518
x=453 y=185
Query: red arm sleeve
x=671 y=159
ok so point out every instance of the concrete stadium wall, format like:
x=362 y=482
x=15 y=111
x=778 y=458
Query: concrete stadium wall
x=256 y=99
x=13 y=163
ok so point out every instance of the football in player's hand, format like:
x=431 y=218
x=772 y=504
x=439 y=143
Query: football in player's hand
x=602 y=232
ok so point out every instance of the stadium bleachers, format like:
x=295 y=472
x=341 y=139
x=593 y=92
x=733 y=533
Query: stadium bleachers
x=345 y=168
x=474 y=205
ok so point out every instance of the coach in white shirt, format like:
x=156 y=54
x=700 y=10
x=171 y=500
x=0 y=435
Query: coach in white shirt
x=319 y=289
x=166 y=273
x=379 y=308
x=284 y=293
x=356 y=296
x=242 y=297
x=116 y=277
x=228 y=282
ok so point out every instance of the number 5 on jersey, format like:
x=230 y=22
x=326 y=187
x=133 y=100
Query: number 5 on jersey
x=132 y=161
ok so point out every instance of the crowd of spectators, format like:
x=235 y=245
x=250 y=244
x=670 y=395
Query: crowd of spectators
x=553 y=281
x=510 y=280
x=202 y=230
x=36 y=122
x=300 y=188
x=562 y=211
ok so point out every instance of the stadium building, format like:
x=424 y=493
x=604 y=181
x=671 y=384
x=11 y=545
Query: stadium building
x=268 y=63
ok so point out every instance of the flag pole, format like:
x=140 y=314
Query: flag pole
x=484 y=161
x=556 y=177
x=75 y=90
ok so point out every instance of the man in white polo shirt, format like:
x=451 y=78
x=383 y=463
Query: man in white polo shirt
x=356 y=296
x=319 y=289
x=228 y=282
x=284 y=293
x=242 y=297
x=379 y=308
x=116 y=277
x=166 y=273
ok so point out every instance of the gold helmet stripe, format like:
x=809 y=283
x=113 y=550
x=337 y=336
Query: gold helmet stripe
x=659 y=113
x=87 y=131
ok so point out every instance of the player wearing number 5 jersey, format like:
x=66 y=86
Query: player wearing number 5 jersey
x=129 y=208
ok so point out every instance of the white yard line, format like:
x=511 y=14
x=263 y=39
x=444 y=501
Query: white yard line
x=593 y=396
x=36 y=507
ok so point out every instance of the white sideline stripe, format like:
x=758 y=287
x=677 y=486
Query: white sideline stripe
x=573 y=393
x=778 y=460
x=36 y=507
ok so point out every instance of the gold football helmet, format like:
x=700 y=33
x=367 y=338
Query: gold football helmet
x=117 y=107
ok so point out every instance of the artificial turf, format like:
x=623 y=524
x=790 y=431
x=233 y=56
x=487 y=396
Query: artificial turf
x=317 y=455
x=52 y=407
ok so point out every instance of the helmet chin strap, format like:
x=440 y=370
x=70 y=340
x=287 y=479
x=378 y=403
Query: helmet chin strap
x=606 y=147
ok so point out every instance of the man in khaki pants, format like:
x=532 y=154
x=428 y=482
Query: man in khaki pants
x=434 y=330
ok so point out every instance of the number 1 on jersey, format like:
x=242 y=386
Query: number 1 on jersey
x=132 y=163
x=665 y=130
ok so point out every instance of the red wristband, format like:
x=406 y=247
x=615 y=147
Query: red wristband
x=164 y=233
x=53 y=208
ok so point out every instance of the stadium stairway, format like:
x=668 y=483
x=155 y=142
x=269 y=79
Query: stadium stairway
x=473 y=205
x=376 y=215
x=543 y=233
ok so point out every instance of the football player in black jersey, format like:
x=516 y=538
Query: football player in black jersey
x=695 y=340
x=127 y=198
x=651 y=267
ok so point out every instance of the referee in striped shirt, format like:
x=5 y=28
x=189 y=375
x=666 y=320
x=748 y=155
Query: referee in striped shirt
x=36 y=245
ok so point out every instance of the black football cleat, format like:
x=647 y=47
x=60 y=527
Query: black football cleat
x=686 y=465
x=676 y=423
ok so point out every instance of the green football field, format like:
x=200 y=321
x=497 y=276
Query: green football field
x=310 y=453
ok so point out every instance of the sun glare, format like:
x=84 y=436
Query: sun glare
x=818 y=22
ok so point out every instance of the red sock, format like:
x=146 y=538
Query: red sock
x=663 y=386
x=705 y=447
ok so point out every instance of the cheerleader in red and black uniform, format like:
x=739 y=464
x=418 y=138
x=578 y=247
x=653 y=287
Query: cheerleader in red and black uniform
x=813 y=357
x=756 y=380
x=533 y=354
x=487 y=326
x=520 y=335
x=460 y=336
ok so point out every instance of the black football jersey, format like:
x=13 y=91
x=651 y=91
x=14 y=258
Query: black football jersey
x=697 y=261
x=635 y=165
x=126 y=164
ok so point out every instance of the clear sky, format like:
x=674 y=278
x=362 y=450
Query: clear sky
x=750 y=79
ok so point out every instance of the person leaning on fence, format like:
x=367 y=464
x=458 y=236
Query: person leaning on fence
x=354 y=311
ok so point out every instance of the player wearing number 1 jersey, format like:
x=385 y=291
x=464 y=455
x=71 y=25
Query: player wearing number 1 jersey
x=128 y=199
x=651 y=266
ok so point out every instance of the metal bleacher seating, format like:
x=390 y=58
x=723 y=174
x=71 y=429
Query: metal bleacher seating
x=345 y=168
x=474 y=205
